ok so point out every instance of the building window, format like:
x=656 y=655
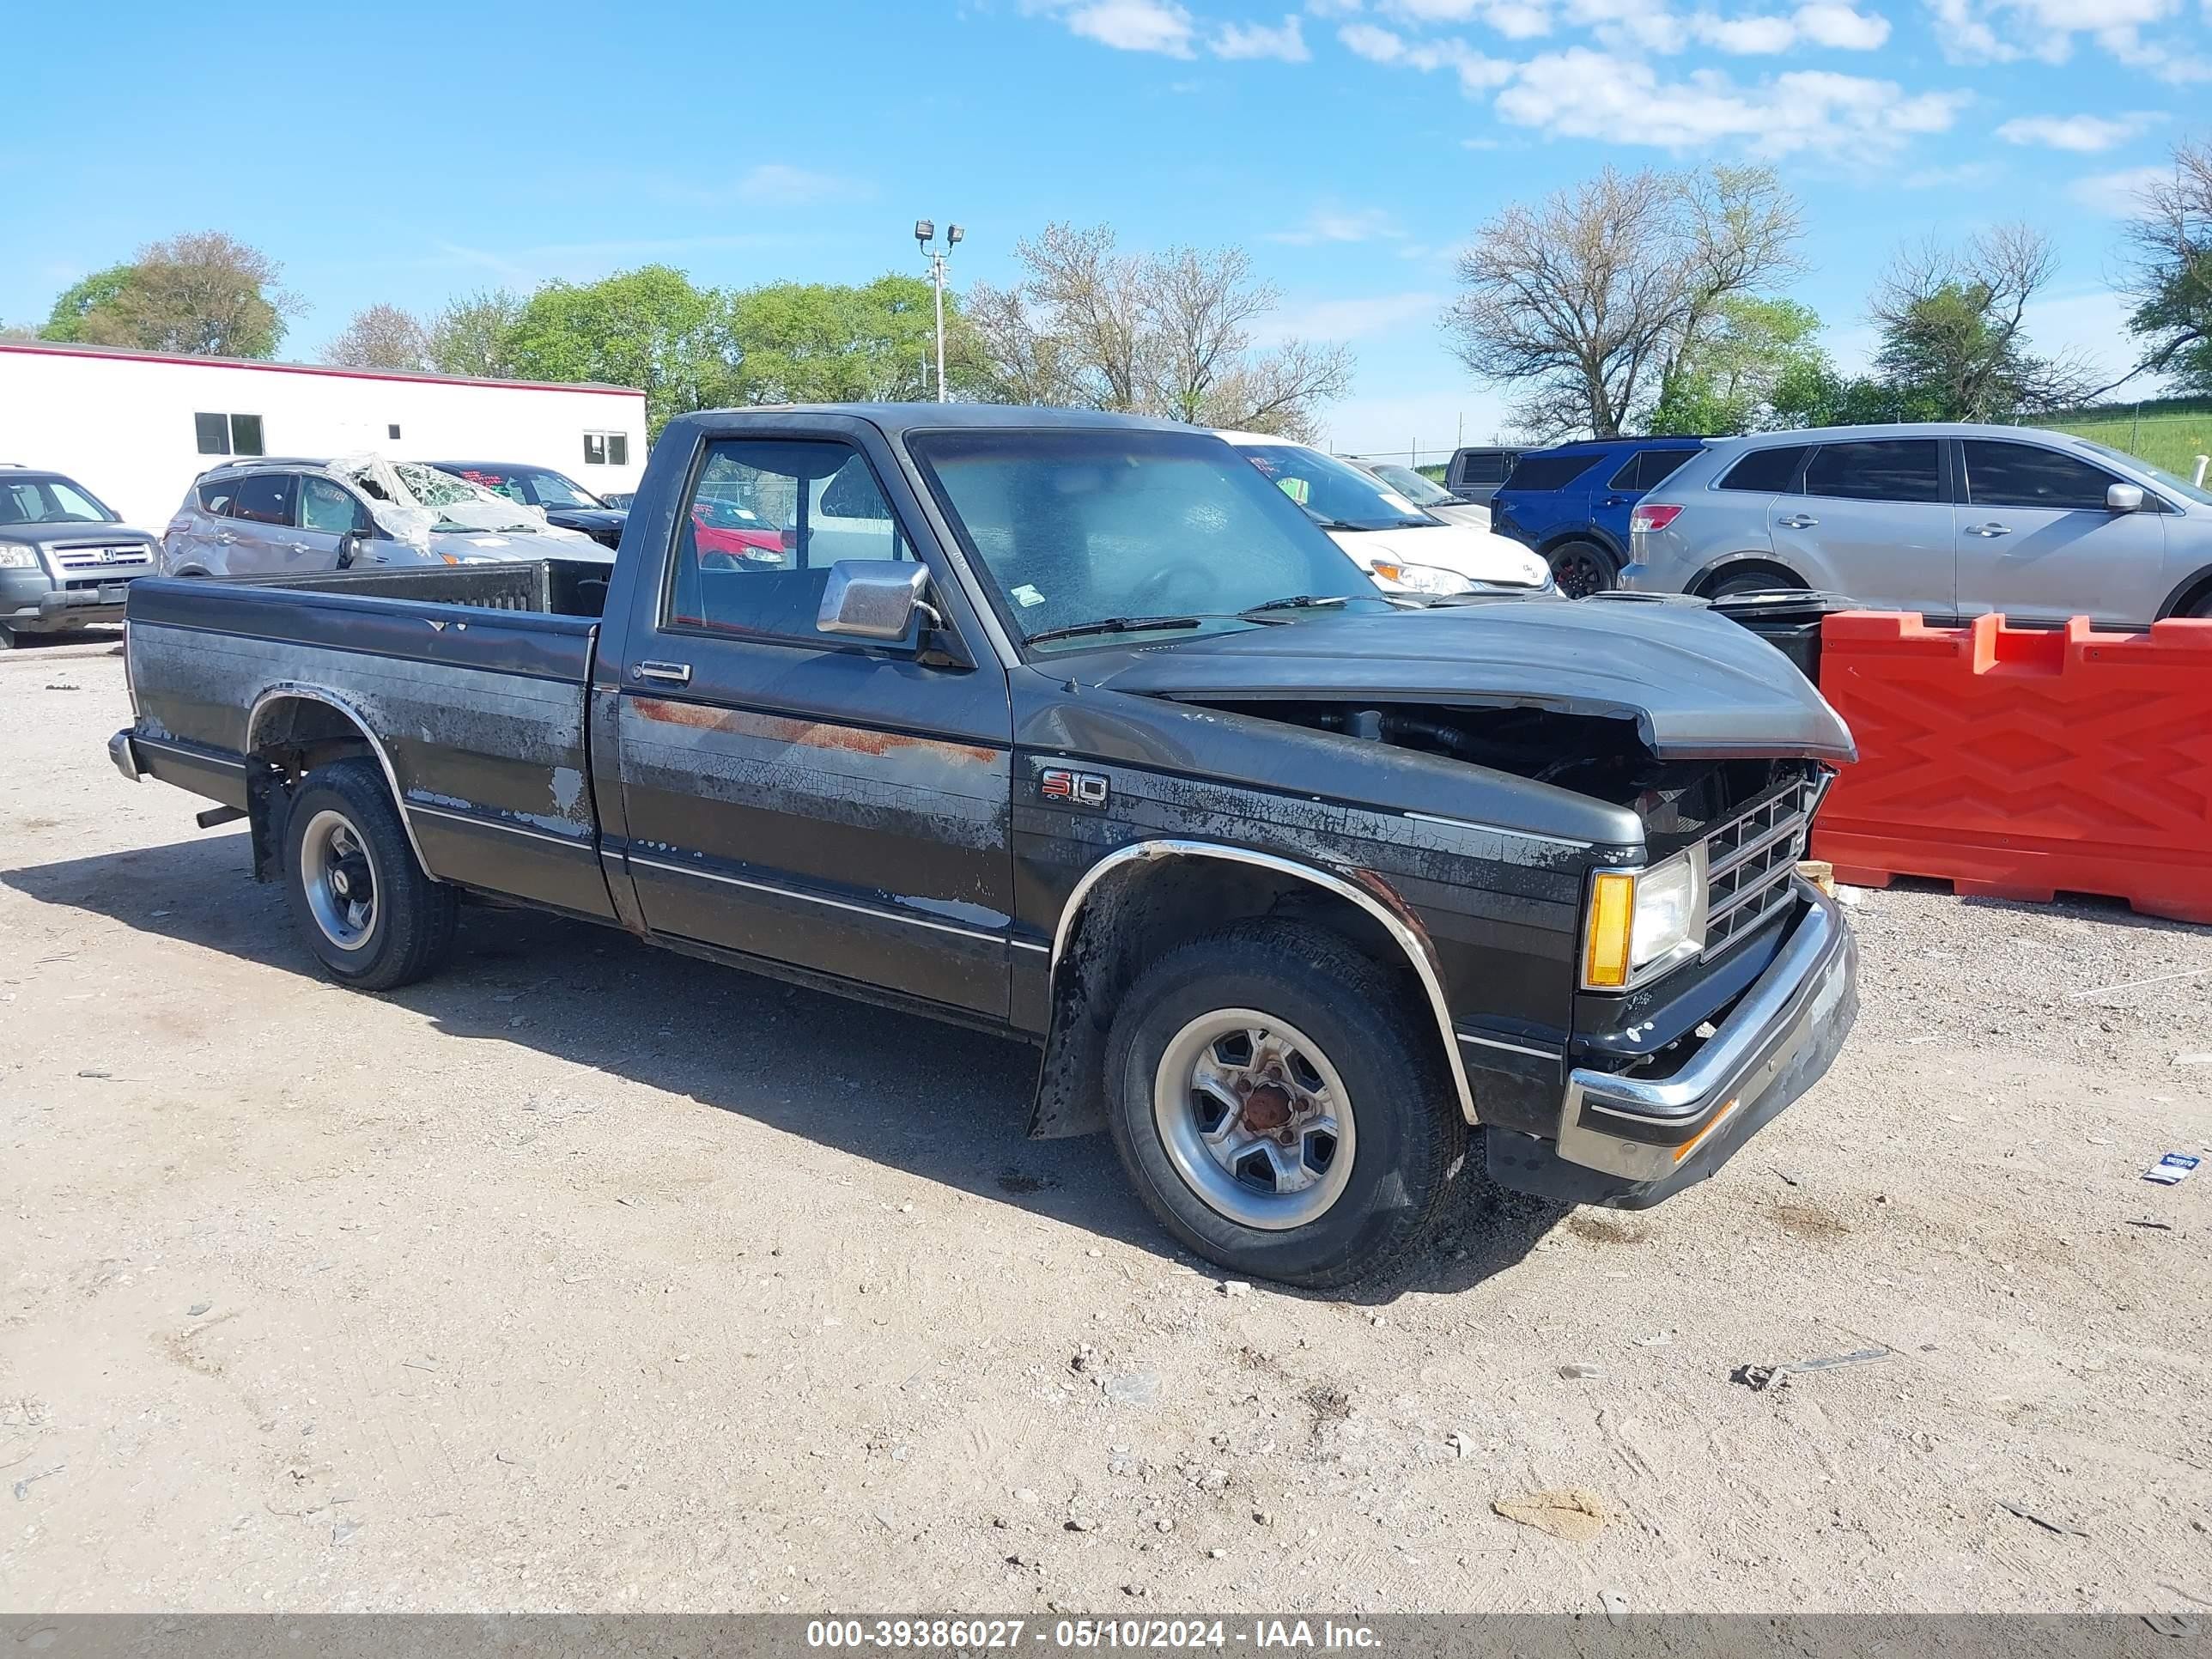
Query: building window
x=229 y=434
x=393 y=433
x=606 y=449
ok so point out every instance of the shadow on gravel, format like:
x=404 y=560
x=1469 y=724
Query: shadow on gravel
x=935 y=1100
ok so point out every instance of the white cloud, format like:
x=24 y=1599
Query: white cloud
x=1350 y=319
x=1580 y=94
x=2084 y=134
x=1287 y=42
x=1332 y=8
x=2006 y=31
x=1839 y=26
x=1842 y=28
x=1476 y=72
x=1327 y=224
x=1159 y=26
x=772 y=183
x=2116 y=195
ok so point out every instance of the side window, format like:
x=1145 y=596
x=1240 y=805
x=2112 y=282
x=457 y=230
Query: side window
x=1767 y=471
x=1656 y=466
x=766 y=519
x=2028 y=475
x=1548 y=471
x=1886 y=470
x=328 y=507
x=265 y=498
x=217 y=496
x=1626 y=477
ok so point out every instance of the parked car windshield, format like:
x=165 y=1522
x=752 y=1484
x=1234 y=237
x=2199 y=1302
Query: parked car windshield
x=50 y=498
x=1335 y=492
x=1421 y=491
x=530 y=484
x=1074 y=528
x=2165 y=480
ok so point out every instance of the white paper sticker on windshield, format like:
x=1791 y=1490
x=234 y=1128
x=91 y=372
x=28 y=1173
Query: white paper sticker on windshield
x=1025 y=596
x=1392 y=498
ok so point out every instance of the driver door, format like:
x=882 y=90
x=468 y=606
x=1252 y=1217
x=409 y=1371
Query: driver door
x=832 y=805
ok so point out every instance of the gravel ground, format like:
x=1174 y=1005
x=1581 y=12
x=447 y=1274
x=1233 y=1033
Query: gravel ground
x=586 y=1277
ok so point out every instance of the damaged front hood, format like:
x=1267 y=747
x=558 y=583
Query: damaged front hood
x=1696 y=684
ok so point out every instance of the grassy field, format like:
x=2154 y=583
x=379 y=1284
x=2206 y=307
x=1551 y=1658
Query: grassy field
x=2171 y=433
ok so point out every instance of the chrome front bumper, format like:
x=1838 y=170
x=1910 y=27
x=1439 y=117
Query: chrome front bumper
x=1662 y=1133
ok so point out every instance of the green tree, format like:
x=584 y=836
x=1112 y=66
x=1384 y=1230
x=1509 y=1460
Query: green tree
x=648 y=328
x=203 y=294
x=66 y=322
x=2172 y=279
x=473 y=335
x=1953 y=334
x=828 y=342
x=1757 y=357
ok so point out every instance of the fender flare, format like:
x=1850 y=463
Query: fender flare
x=1596 y=535
x=1749 y=555
x=298 y=691
x=1367 y=892
x=2185 y=589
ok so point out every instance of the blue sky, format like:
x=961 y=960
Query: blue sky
x=411 y=152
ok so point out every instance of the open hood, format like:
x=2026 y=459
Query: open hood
x=1696 y=684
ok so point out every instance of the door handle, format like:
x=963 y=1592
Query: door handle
x=673 y=674
x=301 y=547
x=225 y=537
x=1986 y=531
x=1797 y=521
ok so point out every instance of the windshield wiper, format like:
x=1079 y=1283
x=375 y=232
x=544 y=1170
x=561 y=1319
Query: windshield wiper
x=1112 y=625
x=1295 y=602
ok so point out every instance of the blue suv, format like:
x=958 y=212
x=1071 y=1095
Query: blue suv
x=1571 y=503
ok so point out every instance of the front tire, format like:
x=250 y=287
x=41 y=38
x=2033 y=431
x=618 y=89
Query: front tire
x=1274 y=1110
x=364 y=905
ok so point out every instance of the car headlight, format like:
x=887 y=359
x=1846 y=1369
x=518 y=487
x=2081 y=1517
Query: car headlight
x=14 y=556
x=1418 y=578
x=1643 y=919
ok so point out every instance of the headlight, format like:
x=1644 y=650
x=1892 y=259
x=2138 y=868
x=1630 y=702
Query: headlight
x=1640 y=919
x=14 y=556
x=1418 y=578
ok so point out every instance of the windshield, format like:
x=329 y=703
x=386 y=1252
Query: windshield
x=2164 y=479
x=48 y=499
x=441 y=490
x=1422 y=492
x=530 y=484
x=1074 y=528
x=1335 y=492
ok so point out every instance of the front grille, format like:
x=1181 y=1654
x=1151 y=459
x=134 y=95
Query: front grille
x=1748 y=860
x=123 y=556
x=90 y=584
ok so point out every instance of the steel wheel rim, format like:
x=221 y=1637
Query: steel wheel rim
x=1578 y=574
x=339 y=878
x=1254 y=1118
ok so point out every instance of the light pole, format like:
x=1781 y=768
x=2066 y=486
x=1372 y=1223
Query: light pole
x=925 y=233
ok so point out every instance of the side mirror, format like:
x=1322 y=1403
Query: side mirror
x=350 y=548
x=873 y=599
x=2124 y=498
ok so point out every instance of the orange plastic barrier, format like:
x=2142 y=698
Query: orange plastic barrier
x=2020 y=763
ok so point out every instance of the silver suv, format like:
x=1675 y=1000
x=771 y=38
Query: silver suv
x=279 y=517
x=1949 y=520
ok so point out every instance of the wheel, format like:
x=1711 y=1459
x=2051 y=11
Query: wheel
x=7 y=640
x=1757 y=581
x=1582 y=568
x=367 y=910
x=1273 y=1110
x=2199 y=607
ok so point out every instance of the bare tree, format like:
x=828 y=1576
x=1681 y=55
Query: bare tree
x=1954 y=328
x=2171 y=240
x=1168 y=334
x=381 y=336
x=203 y=292
x=1590 y=301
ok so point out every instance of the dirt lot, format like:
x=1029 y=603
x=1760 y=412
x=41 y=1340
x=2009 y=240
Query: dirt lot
x=586 y=1277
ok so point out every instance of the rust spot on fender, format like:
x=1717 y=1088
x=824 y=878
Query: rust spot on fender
x=808 y=734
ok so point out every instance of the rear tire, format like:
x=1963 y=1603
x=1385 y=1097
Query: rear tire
x=1582 y=568
x=366 y=908
x=1244 y=1069
x=1760 y=579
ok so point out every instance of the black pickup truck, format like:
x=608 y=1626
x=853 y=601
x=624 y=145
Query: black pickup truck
x=1073 y=727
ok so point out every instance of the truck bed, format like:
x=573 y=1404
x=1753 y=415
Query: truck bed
x=468 y=685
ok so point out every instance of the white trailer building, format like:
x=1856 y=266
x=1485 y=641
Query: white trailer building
x=136 y=428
